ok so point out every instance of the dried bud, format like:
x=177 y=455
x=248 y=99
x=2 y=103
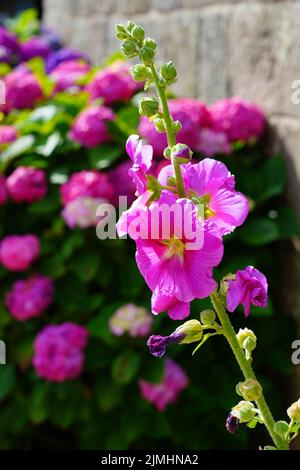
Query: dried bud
x=139 y=72
x=207 y=317
x=232 y=423
x=191 y=331
x=168 y=71
x=120 y=32
x=138 y=33
x=244 y=411
x=246 y=339
x=249 y=390
x=294 y=411
x=148 y=106
x=159 y=125
x=181 y=153
x=129 y=49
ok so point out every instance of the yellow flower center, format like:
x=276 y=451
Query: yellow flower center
x=203 y=201
x=175 y=248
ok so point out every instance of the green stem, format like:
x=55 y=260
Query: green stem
x=246 y=370
x=169 y=130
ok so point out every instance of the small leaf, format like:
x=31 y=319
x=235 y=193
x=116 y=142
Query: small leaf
x=17 y=148
x=52 y=142
x=281 y=428
x=259 y=231
x=103 y=156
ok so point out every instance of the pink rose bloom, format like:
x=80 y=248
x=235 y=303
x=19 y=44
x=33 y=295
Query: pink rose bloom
x=67 y=74
x=131 y=319
x=213 y=186
x=90 y=183
x=18 y=252
x=162 y=394
x=250 y=287
x=3 y=190
x=23 y=90
x=35 y=47
x=8 y=134
x=141 y=156
x=123 y=186
x=82 y=212
x=213 y=142
x=58 y=352
x=193 y=116
x=238 y=118
x=90 y=127
x=29 y=298
x=113 y=84
x=27 y=184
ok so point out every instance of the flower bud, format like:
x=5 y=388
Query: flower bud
x=294 y=411
x=120 y=32
x=147 y=52
x=177 y=126
x=150 y=43
x=148 y=106
x=168 y=71
x=246 y=339
x=191 y=331
x=167 y=153
x=139 y=72
x=130 y=25
x=249 y=390
x=181 y=153
x=232 y=423
x=159 y=125
x=129 y=49
x=138 y=33
x=244 y=411
x=207 y=317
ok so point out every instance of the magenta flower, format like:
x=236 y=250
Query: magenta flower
x=212 y=186
x=67 y=74
x=64 y=55
x=82 y=212
x=3 y=190
x=29 y=298
x=250 y=287
x=238 y=118
x=113 y=84
x=58 y=352
x=89 y=183
x=173 y=383
x=213 y=142
x=134 y=320
x=141 y=156
x=193 y=116
x=18 y=252
x=27 y=184
x=122 y=185
x=9 y=46
x=8 y=134
x=90 y=127
x=23 y=90
x=35 y=47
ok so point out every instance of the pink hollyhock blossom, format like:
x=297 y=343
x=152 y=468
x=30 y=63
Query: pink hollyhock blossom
x=58 y=352
x=27 y=184
x=90 y=127
x=29 y=298
x=174 y=253
x=193 y=116
x=82 y=212
x=35 y=47
x=141 y=156
x=123 y=186
x=134 y=320
x=238 y=118
x=3 y=190
x=23 y=90
x=8 y=134
x=211 y=184
x=67 y=74
x=90 y=183
x=173 y=383
x=113 y=84
x=213 y=142
x=18 y=252
x=250 y=287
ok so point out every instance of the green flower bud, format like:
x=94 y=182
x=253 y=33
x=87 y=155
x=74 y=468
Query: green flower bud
x=250 y=389
x=139 y=72
x=120 y=32
x=138 y=33
x=246 y=339
x=150 y=43
x=207 y=317
x=167 y=153
x=191 y=331
x=148 y=106
x=147 y=52
x=177 y=126
x=168 y=71
x=159 y=125
x=130 y=25
x=244 y=411
x=249 y=344
x=294 y=411
x=281 y=428
x=129 y=49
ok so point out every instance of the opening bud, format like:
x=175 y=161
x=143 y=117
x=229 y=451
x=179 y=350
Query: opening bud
x=120 y=32
x=244 y=411
x=191 y=331
x=139 y=72
x=181 y=153
x=232 y=423
x=128 y=48
x=159 y=125
x=249 y=390
x=294 y=411
x=168 y=71
x=207 y=317
x=247 y=339
x=148 y=106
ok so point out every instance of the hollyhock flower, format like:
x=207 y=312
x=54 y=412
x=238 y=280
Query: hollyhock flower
x=192 y=114
x=250 y=287
x=175 y=255
x=5 y=55
x=63 y=55
x=90 y=127
x=168 y=390
x=123 y=186
x=27 y=184
x=238 y=118
x=113 y=84
x=8 y=134
x=51 y=38
x=90 y=183
x=29 y=298
x=35 y=47
x=213 y=142
x=9 y=46
x=3 y=190
x=211 y=184
x=58 y=351
x=141 y=156
x=67 y=74
x=23 y=90
x=82 y=212
x=17 y=252
x=134 y=320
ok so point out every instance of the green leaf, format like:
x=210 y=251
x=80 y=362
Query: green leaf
x=45 y=206
x=125 y=367
x=52 y=142
x=21 y=145
x=103 y=156
x=130 y=115
x=281 y=428
x=287 y=222
x=43 y=113
x=7 y=380
x=86 y=265
x=273 y=178
x=259 y=231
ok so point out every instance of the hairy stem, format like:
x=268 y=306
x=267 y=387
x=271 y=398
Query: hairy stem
x=246 y=370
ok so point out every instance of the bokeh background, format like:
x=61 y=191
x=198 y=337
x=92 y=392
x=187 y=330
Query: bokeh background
x=221 y=49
